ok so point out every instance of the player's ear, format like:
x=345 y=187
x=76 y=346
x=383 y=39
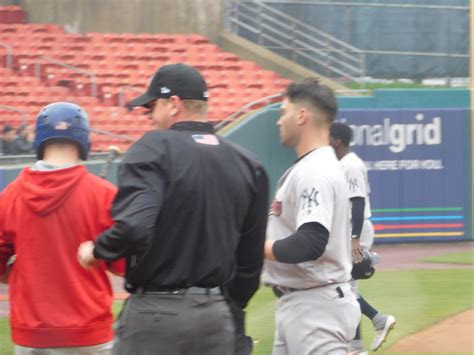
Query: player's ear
x=302 y=116
x=176 y=105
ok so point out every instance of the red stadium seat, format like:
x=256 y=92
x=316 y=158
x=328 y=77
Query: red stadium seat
x=119 y=61
x=12 y=14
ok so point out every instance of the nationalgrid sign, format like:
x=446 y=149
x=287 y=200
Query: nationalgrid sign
x=419 y=171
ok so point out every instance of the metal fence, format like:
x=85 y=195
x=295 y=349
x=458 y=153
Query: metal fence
x=414 y=39
x=51 y=62
x=297 y=40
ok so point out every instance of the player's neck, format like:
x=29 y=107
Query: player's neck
x=59 y=156
x=311 y=142
x=190 y=117
x=343 y=152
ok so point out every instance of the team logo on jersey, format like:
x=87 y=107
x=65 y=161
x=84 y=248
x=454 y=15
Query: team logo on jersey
x=353 y=184
x=309 y=199
x=208 y=139
x=276 y=208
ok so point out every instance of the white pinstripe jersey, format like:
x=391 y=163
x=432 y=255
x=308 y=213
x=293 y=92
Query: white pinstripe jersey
x=313 y=190
x=357 y=179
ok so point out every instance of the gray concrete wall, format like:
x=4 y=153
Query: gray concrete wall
x=136 y=16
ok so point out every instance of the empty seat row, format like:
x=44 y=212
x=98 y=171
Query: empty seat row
x=11 y=15
x=114 y=67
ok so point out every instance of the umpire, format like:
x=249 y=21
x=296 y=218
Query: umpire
x=190 y=218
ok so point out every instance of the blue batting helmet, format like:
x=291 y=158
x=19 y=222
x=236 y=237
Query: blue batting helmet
x=62 y=121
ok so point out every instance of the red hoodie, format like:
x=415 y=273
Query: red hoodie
x=44 y=216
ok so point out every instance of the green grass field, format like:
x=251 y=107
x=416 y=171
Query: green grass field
x=5 y=345
x=463 y=257
x=416 y=298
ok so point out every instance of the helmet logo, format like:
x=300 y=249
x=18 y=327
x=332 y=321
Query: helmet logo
x=61 y=126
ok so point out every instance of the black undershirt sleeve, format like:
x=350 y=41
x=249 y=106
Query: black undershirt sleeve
x=306 y=244
x=358 y=207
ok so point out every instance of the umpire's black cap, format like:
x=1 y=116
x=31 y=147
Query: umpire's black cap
x=174 y=79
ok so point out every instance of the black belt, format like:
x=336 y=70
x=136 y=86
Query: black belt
x=178 y=291
x=279 y=291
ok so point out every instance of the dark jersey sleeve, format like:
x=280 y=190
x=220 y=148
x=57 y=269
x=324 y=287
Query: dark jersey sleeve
x=306 y=244
x=136 y=207
x=251 y=245
x=358 y=207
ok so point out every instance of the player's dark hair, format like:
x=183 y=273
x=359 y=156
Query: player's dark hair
x=341 y=131
x=310 y=90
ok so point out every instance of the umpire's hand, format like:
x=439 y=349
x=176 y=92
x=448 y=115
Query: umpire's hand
x=85 y=255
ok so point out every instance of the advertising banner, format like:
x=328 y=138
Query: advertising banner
x=419 y=171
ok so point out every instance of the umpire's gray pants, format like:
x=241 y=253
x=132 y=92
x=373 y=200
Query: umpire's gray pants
x=316 y=321
x=175 y=325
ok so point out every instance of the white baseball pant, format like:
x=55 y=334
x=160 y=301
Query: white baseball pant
x=316 y=321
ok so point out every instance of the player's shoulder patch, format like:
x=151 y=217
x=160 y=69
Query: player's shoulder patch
x=207 y=139
x=276 y=208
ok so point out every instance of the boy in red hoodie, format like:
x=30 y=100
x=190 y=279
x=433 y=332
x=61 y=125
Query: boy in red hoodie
x=57 y=307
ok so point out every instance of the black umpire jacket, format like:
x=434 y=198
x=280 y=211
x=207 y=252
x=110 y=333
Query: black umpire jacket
x=191 y=210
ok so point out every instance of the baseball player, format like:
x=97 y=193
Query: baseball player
x=362 y=235
x=191 y=215
x=57 y=307
x=308 y=251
